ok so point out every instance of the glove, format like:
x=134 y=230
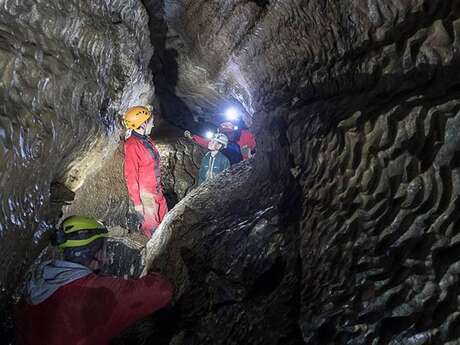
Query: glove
x=246 y=151
x=135 y=218
x=188 y=135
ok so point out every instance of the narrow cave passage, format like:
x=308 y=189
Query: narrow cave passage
x=339 y=227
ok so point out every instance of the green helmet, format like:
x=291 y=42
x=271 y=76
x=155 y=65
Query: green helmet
x=79 y=231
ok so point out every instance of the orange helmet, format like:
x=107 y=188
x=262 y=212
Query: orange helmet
x=136 y=116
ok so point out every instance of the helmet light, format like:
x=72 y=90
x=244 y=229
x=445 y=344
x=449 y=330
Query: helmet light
x=232 y=114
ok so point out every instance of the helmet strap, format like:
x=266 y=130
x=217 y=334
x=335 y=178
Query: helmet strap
x=85 y=255
x=141 y=129
x=128 y=134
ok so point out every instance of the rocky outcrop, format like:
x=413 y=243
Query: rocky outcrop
x=232 y=252
x=180 y=161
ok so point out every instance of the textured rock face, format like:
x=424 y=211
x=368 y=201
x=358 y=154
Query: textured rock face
x=103 y=195
x=378 y=234
x=366 y=93
x=380 y=183
x=68 y=69
x=180 y=161
x=265 y=53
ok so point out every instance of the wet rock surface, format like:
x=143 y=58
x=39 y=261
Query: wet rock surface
x=103 y=195
x=68 y=70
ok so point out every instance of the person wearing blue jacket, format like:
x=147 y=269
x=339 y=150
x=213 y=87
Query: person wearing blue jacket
x=214 y=162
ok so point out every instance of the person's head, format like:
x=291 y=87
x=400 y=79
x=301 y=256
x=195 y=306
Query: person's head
x=228 y=129
x=217 y=142
x=139 y=119
x=82 y=240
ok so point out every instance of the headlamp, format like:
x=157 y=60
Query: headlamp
x=232 y=114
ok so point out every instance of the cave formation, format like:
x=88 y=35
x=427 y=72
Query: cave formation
x=341 y=229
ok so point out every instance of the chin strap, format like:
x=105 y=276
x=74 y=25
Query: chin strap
x=128 y=134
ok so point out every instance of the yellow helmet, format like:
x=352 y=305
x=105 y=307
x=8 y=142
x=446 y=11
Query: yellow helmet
x=79 y=231
x=136 y=116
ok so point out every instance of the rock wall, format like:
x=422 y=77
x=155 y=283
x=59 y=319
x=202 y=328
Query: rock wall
x=379 y=225
x=365 y=95
x=379 y=177
x=68 y=69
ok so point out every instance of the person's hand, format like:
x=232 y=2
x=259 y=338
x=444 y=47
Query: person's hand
x=135 y=218
x=134 y=221
x=245 y=151
x=188 y=135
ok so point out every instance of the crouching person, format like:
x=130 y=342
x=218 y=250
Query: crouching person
x=68 y=302
x=214 y=161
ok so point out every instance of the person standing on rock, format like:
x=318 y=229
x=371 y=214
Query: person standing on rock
x=142 y=169
x=68 y=302
x=214 y=162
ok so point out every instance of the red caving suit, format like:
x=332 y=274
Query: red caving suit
x=91 y=310
x=143 y=179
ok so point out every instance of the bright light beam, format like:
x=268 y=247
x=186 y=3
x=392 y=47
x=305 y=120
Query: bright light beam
x=209 y=135
x=232 y=114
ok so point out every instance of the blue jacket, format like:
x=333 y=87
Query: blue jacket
x=211 y=166
x=233 y=153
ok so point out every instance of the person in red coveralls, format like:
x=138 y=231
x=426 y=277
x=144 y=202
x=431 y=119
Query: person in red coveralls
x=247 y=143
x=142 y=169
x=245 y=139
x=68 y=302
